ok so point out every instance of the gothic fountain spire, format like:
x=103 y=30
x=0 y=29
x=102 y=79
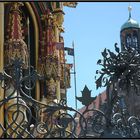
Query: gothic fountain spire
x=15 y=46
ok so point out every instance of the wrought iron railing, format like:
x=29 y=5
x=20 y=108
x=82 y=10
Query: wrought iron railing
x=120 y=73
x=25 y=117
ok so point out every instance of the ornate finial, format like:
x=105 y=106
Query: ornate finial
x=86 y=98
x=129 y=9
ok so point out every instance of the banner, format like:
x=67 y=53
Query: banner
x=70 y=51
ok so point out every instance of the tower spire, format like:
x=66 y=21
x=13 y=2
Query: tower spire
x=129 y=9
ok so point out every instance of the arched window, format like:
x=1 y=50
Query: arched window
x=135 y=42
x=128 y=41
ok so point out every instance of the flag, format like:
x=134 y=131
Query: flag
x=70 y=51
x=59 y=45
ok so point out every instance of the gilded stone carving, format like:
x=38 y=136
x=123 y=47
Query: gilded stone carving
x=70 y=4
x=15 y=47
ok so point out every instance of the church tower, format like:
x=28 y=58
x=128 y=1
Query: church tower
x=130 y=38
x=130 y=33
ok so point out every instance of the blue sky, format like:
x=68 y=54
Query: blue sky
x=93 y=26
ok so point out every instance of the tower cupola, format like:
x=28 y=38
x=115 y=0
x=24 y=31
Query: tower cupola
x=130 y=36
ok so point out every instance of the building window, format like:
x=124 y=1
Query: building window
x=135 y=42
x=128 y=41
